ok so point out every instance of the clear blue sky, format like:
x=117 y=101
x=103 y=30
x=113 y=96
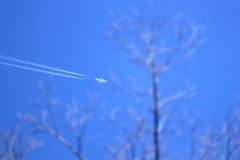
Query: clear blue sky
x=69 y=35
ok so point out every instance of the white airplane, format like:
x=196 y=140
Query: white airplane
x=100 y=80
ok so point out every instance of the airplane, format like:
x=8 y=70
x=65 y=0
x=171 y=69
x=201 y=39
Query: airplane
x=100 y=80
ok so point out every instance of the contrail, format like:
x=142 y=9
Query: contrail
x=38 y=70
x=40 y=65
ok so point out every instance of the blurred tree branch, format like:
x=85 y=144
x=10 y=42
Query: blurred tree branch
x=219 y=145
x=14 y=146
x=77 y=116
x=135 y=138
x=144 y=37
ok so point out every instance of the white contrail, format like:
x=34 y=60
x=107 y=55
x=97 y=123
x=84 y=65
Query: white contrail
x=38 y=70
x=39 y=65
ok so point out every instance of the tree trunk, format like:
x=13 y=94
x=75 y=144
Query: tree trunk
x=155 y=113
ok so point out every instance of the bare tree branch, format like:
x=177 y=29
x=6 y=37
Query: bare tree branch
x=77 y=117
x=15 y=145
x=140 y=34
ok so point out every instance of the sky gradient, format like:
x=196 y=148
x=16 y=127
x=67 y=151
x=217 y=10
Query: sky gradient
x=70 y=35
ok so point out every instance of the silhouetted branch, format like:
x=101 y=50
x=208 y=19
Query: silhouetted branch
x=72 y=116
x=15 y=145
x=231 y=132
x=76 y=115
x=130 y=143
x=141 y=37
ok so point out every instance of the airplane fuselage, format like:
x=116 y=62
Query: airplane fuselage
x=100 y=80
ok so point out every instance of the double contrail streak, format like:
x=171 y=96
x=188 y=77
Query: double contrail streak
x=40 y=65
x=38 y=70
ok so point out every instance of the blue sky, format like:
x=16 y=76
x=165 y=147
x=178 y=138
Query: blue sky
x=69 y=35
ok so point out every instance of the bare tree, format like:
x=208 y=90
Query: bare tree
x=15 y=145
x=213 y=144
x=145 y=36
x=231 y=132
x=77 y=116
